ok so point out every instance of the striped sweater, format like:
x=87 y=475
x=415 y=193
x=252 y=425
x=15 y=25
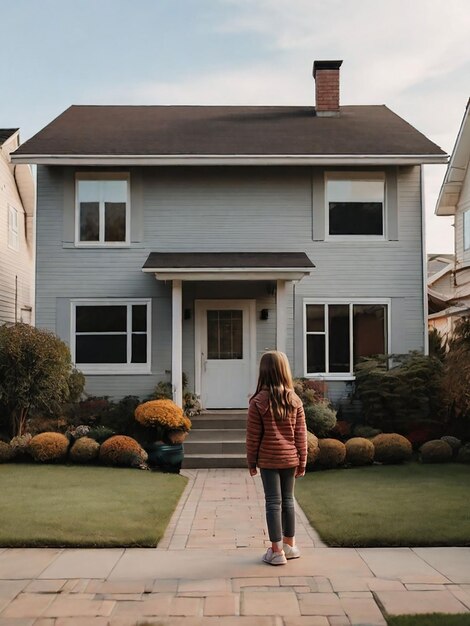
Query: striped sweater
x=275 y=444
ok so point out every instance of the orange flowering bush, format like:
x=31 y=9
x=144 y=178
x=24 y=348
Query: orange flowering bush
x=164 y=413
x=48 y=447
x=122 y=450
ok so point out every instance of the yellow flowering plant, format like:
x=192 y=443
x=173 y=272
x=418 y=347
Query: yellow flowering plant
x=162 y=413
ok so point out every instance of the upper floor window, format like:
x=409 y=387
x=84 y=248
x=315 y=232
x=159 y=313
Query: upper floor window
x=466 y=230
x=102 y=209
x=338 y=333
x=355 y=204
x=13 y=238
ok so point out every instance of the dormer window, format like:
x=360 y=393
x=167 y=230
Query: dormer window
x=355 y=205
x=102 y=209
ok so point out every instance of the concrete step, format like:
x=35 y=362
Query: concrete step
x=219 y=422
x=214 y=447
x=193 y=461
x=216 y=434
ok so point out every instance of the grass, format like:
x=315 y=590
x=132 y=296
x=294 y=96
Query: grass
x=430 y=619
x=73 y=506
x=389 y=505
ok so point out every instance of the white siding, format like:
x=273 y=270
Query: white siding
x=16 y=266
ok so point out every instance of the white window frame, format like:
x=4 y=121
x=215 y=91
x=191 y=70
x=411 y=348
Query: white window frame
x=13 y=230
x=353 y=176
x=113 y=368
x=466 y=229
x=351 y=302
x=102 y=243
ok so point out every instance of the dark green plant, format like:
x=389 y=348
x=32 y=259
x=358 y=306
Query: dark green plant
x=437 y=344
x=35 y=373
x=320 y=418
x=119 y=416
x=456 y=377
x=100 y=433
x=400 y=390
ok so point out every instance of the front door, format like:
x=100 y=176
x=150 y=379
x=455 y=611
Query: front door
x=225 y=349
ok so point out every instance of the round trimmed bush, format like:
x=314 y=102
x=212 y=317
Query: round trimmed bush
x=454 y=443
x=48 y=447
x=20 y=445
x=163 y=413
x=435 y=451
x=122 y=450
x=463 y=455
x=320 y=418
x=392 y=448
x=359 y=451
x=331 y=453
x=312 y=448
x=84 y=450
x=6 y=452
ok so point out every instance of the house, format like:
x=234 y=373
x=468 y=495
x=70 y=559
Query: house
x=17 y=198
x=191 y=239
x=452 y=283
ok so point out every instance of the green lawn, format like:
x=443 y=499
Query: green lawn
x=73 y=506
x=430 y=619
x=389 y=505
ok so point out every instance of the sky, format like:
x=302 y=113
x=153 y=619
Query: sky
x=412 y=55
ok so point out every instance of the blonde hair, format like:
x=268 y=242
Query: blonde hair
x=275 y=376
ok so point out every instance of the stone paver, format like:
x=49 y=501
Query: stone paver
x=207 y=571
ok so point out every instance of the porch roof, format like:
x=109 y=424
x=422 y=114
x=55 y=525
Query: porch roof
x=228 y=265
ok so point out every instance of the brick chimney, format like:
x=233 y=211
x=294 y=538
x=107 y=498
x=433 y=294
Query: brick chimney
x=326 y=75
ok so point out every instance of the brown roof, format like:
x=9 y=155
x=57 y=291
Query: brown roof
x=255 y=260
x=227 y=130
x=6 y=133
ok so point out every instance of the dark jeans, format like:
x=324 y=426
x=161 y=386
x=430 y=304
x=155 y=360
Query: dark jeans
x=279 y=493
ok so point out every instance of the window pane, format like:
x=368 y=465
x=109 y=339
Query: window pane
x=139 y=317
x=369 y=330
x=356 y=190
x=356 y=218
x=315 y=353
x=338 y=334
x=315 y=317
x=466 y=230
x=101 y=349
x=89 y=190
x=139 y=349
x=96 y=319
x=114 y=190
x=225 y=334
x=114 y=221
x=89 y=221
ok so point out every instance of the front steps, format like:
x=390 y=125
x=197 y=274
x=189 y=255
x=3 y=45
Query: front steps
x=217 y=439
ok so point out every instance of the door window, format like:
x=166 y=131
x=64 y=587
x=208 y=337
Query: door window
x=224 y=334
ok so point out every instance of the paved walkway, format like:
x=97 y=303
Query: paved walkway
x=207 y=572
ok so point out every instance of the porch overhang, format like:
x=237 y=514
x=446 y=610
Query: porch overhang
x=211 y=266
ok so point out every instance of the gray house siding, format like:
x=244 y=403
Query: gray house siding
x=228 y=209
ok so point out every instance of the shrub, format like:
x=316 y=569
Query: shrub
x=396 y=397
x=391 y=448
x=331 y=453
x=463 y=455
x=35 y=373
x=84 y=450
x=453 y=442
x=20 y=445
x=46 y=424
x=162 y=413
x=88 y=411
x=119 y=416
x=309 y=391
x=342 y=429
x=100 y=433
x=122 y=450
x=312 y=448
x=163 y=391
x=362 y=430
x=456 y=378
x=424 y=432
x=320 y=418
x=79 y=431
x=435 y=451
x=48 y=447
x=6 y=452
x=359 y=451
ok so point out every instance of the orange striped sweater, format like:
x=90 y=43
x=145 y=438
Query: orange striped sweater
x=275 y=444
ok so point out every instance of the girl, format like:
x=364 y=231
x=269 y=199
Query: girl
x=276 y=442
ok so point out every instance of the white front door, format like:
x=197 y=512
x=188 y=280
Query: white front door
x=225 y=352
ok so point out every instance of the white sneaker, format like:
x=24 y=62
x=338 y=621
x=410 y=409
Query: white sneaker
x=274 y=558
x=291 y=552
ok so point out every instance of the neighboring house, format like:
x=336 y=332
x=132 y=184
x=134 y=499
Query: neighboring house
x=193 y=238
x=451 y=284
x=16 y=233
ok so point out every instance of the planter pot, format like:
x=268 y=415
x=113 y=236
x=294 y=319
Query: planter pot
x=168 y=458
